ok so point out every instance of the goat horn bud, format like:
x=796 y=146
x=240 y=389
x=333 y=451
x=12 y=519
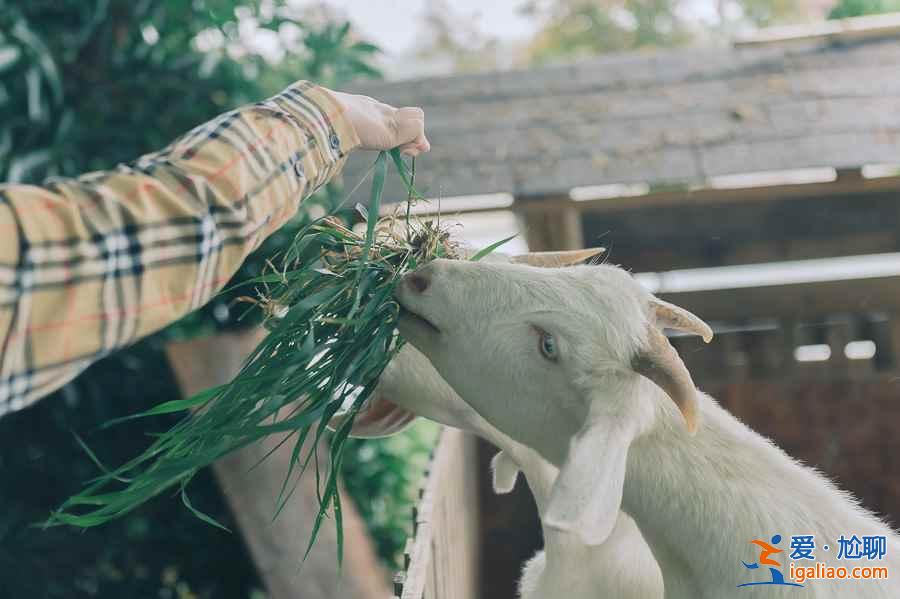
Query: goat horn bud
x=556 y=259
x=673 y=317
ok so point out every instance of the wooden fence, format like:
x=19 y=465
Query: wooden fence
x=442 y=557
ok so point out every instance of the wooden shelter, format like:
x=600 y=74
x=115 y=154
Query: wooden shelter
x=757 y=185
x=673 y=118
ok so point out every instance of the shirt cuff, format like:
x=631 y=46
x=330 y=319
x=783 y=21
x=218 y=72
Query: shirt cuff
x=345 y=138
x=331 y=136
x=335 y=136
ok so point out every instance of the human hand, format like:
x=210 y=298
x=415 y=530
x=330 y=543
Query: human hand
x=380 y=126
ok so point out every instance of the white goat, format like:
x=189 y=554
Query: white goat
x=572 y=363
x=620 y=568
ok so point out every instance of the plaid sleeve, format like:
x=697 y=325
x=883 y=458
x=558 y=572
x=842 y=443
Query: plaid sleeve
x=92 y=264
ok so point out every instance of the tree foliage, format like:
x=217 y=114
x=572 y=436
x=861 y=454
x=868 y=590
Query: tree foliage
x=87 y=84
x=587 y=27
x=858 y=8
x=771 y=12
x=448 y=36
x=387 y=472
x=577 y=28
x=84 y=85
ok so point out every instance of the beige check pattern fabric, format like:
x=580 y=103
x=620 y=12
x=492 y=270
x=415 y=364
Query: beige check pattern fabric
x=92 y=264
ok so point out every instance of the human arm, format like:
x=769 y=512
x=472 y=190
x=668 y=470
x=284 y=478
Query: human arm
x=92 y=264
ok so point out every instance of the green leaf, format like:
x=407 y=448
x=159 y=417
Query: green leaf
x=93 y=457
x=8 y=57
x=22 y=32
x=489 y=249
x=404 y=174
x=342 y=32
x=21 y=167
x=169 y=407
x=363 y=68
x=365 y=48
x=36 y=112
x=206 y=518
x=378 y=177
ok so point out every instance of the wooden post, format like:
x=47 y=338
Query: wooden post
x=788 y=328
x=766 y=353
x=278 y=546
x=838 y=334
x=894 y=324
x=736 y=358
x=556 y=226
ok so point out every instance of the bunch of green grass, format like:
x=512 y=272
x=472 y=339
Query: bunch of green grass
x=331 y=319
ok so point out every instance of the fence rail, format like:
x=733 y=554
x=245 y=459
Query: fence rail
x=441 y=560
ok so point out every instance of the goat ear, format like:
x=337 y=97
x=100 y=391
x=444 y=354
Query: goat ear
x=586 y=498
x=506 y=471
x=556 y=259
x=379 y=418
x=660 y=363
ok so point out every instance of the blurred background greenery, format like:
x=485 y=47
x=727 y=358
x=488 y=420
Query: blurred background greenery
x=469 y=35
x=85 y=84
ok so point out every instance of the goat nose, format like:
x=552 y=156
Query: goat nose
x=418 y=281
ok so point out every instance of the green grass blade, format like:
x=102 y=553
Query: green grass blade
x=331 y=343
x=491 y=248
x=205 y=517
x=405 y=175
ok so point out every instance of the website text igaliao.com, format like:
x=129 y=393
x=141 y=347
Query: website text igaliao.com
x=822 y=571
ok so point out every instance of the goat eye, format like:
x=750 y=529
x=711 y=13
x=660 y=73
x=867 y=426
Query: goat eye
x=548 y=347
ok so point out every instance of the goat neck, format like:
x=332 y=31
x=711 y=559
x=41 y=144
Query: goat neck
x=700 y=500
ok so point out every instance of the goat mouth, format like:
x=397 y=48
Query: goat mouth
x=410 y=318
